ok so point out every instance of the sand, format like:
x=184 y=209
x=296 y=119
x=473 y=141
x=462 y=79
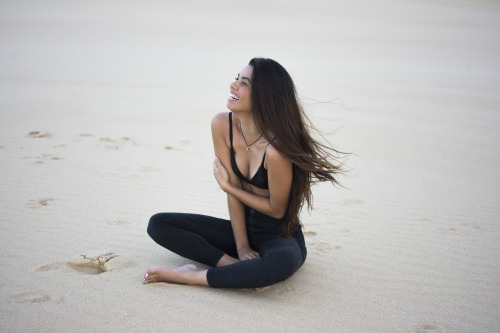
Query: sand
x=104 y=120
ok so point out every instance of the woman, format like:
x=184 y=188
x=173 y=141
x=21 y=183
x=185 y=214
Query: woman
x=266 y=162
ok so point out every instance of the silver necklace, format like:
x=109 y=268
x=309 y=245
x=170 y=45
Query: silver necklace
x=243 y=135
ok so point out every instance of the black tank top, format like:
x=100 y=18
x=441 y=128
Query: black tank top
x=260 y=178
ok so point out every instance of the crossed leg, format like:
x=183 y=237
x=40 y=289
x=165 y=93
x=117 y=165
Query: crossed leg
x=210 y=241
x=198 y=237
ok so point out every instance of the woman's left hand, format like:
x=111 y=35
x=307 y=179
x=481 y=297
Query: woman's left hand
x=221 y=175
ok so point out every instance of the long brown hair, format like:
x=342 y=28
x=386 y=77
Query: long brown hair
x=280 y=117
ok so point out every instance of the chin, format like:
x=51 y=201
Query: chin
x=231 y=107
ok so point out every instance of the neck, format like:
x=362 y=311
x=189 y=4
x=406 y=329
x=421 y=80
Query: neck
x=248 y=126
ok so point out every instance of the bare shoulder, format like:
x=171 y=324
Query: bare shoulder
x=275 y=158
x=220 y=121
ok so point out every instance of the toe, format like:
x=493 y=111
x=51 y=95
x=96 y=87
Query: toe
x=147 y=276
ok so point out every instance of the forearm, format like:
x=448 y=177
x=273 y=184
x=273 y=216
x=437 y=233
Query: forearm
x=238 y=223
x=257 y=202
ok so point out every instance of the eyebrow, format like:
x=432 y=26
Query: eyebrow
x=245 y=78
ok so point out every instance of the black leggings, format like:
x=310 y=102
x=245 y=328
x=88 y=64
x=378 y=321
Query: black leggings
x=206 y=239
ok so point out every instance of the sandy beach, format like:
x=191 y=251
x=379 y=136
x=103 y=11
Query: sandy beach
x=105 y=111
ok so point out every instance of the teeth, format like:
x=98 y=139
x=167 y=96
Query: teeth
x=234 y=98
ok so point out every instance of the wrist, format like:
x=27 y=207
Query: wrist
x=241 y=248
x=228 y=188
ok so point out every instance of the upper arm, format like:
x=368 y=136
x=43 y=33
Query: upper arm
x=280 y=174
x=221 y=141
x=220 y=123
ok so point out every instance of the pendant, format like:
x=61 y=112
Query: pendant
x=247 y=149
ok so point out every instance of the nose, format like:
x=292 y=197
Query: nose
x=233 y=85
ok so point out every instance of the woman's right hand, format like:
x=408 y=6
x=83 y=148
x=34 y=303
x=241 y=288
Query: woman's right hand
x=247 y=253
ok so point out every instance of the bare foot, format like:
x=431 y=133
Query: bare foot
x=188 y=274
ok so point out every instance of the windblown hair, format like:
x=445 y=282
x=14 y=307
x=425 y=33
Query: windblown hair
x=280 y=117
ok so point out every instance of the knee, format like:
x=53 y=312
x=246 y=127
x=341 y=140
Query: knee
x=285 y=262
x=154 y=223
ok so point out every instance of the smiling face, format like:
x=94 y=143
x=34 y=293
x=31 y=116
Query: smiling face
x=239 y=99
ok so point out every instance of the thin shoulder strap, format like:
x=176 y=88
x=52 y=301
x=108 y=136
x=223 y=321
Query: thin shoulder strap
x=231 y=128
x=265 y=151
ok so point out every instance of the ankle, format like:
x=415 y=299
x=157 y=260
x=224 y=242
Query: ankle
x=226 y=260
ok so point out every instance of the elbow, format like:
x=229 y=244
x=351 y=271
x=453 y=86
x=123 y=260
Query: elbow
x=278 y=216
x=278 y=209
x=278 y=213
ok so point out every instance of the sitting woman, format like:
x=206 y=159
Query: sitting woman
x=266 y=161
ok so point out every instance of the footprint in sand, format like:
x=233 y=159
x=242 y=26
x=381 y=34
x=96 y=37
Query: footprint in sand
x=95 y=263
x=52 y=157
x=45 y=157
x=118 y=222
x=38 y=203
x=31 y=297
x=84 y=263
x=37 y=134
x=110 y=143
x=51 y=267
x=98 y=262
x=319 y=247
x=322 y=248
x=82 y=136
x=351 y=202
x=459 y=231
x=182 y=142
x=426 y=328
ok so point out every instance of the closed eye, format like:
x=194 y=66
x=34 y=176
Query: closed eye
x=243 y=83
